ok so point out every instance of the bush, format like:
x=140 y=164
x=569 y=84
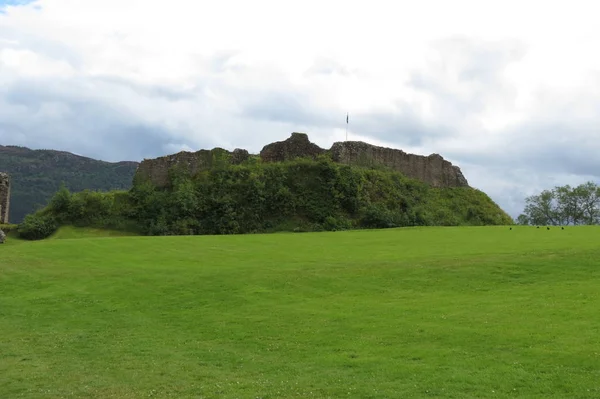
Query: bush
x=60 y=202
x=8 y=227
x=37 y=227
x=377 y=216
x=336 y=224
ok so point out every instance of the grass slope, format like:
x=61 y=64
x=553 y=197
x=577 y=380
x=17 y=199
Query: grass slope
x=72 y=232
x=469 y=312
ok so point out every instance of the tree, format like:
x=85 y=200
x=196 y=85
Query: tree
x=523 y=220
x=61 y=201
x=563 y=205
x=588 y=198
x=541 y=209
x=569 y=210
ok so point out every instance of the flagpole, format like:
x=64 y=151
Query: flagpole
x=346 y=126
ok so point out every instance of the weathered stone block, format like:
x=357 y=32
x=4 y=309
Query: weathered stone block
x=4 y=197
x=239 y=156
x=297 y=146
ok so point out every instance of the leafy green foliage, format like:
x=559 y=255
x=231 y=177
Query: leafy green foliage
x=563 y=205
x=378 y=216
x=7 y=228
x=37 y=174
x=111 y=210
x=300 y=195
x=37 y=226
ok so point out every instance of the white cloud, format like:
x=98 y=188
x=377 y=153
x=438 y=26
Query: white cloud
x=30 y=64
x=508 y=89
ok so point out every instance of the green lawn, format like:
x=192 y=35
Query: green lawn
x=482 y=312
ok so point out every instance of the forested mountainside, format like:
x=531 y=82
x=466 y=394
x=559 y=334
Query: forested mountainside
x=36 y=175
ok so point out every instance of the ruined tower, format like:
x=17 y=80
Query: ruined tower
x=4 y=197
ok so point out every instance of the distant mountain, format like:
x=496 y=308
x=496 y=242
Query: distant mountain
x=37 y=174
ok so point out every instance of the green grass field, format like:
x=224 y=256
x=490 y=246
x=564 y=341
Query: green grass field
x=480 y=312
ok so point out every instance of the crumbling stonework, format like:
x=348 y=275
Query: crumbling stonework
x=432 y=169
x=296 y=146
x=4 y=197
x=157 y=170
x=239 y=156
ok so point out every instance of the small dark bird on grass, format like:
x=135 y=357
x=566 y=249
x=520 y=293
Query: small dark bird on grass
x=562 y=228
x=511 y=228
x=547 y=228
x=538 y=227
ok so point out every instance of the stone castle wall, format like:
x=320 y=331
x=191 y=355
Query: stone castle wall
x=157 y=170
x=4 y=197
x=432 y=169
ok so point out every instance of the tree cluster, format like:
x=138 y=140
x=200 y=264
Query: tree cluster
x=563 y=205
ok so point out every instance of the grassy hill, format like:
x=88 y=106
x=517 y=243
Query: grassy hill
x=445 y=312
x=300 y=195
x=37 y=174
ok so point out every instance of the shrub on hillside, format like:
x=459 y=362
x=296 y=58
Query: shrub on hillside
x=378 y=216
x=37 y=226
x=7 y=228
x=336 y=224
x=60 y=202
x=89 y=208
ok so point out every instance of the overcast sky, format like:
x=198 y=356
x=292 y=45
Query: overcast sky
x=507 y=90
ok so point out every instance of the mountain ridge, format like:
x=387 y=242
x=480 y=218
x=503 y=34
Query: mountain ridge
x=36 y=175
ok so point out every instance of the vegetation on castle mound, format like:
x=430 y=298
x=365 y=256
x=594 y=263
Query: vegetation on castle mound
x=300 y=195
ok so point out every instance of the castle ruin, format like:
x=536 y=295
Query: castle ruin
x=433 y=169
x=4 y=197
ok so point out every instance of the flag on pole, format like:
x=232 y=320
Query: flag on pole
x=346 y=126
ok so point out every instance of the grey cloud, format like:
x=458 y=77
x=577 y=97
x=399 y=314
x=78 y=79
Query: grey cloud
x=83 y=124
x=476 y=65
x=563 y=148
x=293 y=107
x=478 y=60
x=153 y=91
x=96 y=132
x=404 y=127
